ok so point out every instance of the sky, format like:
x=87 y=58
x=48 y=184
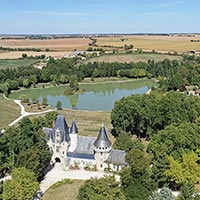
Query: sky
x=99 y=16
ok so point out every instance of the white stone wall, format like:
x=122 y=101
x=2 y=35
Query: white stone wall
x=82 y=162
x=73 y=142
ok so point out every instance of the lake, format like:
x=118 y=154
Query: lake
x=97 y=96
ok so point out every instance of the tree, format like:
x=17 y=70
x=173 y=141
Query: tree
x=44 y=101
x=23 y=185
x=26 y=83
x=50 y=118
x=24 y=146
x=24 y=55
x=136 y=179
x=59 y=105
x=73 y=83
x=176 y=140
x=24 y=99
x=186 y=171
x=187 y=192
x=101 y=189
x=163 y=194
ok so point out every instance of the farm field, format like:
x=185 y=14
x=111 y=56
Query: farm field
x=60 y=47
x=144 y=57
x=13 y=63
x=9 y=112
x=179 y=44
x=18 y=54
x=66 y=44
x=64 y=192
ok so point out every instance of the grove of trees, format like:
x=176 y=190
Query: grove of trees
x=172 y=75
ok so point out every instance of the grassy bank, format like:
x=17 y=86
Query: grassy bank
x=13 y=63
x=143 y=57
x=9 y=111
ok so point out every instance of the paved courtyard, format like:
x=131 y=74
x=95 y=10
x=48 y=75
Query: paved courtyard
x=58 y=174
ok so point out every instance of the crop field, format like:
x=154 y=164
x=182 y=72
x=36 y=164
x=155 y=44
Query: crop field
x=13 y=63
x=66 y=44
x=58 y=47
x=18 y=54
x=144 y=57
x=179 y=44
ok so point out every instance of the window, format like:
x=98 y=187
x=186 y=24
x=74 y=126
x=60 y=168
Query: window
x=101 y=165
x=101 y=153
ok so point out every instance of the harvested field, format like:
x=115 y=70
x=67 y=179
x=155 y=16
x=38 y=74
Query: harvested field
x=144 y=57
x=179 y=44
x=67 y=44
x=18 y=54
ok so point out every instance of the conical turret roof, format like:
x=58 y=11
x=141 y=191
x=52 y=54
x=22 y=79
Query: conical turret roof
x=102 y=140
x=73 y=128
x=61 y=124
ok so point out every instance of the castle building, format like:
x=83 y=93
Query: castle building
x=73 y=150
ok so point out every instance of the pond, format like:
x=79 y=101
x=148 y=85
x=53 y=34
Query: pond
x=97 y=96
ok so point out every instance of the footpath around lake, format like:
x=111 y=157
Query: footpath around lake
x=24 y=113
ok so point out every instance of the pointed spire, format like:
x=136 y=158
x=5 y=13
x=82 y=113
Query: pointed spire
x=61 y=124
x=73 y=128
x=102 y=140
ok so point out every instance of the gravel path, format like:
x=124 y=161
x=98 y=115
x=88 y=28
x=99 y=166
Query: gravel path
x=58 y=174
x=24 y=113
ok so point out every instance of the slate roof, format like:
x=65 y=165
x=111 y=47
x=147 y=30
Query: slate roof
x=102 y=140
x=85 y=145
x=61 y=124
x=117 y=157
x=73 y=128
x=47 y=130
x=80 y=155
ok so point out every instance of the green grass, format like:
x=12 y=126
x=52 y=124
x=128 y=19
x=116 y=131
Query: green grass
x=143 y=57
x=9 y=111
x=64 y=191
x=13 y=63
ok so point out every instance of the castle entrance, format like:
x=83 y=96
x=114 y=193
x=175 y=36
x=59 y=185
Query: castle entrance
x=57 y=160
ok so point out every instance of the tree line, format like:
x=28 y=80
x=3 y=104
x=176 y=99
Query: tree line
x=172 y=75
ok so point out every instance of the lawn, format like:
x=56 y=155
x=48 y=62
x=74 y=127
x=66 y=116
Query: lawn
x=13 y=63
x=9 y=111
x=63 y=192
x=144 y=57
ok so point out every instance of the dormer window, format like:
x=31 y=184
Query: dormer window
x=57 y=133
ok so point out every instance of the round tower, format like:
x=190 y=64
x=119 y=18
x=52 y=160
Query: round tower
x=73 y=133
x=102 y=148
